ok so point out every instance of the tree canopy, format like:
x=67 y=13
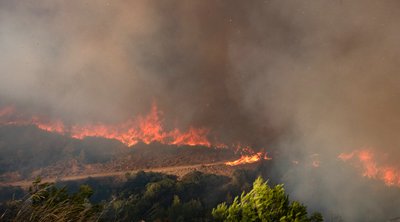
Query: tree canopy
x=47 y=202
x=264 y=203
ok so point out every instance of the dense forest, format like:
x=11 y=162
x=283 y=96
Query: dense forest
x=154 y=197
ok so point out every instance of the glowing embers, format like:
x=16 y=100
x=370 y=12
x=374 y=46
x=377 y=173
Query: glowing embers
x=365 y=159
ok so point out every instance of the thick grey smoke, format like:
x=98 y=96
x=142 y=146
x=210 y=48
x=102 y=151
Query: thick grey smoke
x=303 y=77
x=109 y=60
x=328 y=70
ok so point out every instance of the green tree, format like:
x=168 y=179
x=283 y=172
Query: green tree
x=264 y=203
x=188 y=211
x=46 y=202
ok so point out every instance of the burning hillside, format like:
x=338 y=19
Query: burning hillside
x=149 y=129
x=146 y=129
x=366 y=161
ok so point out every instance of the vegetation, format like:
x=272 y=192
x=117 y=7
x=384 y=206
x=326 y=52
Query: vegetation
x=264 y=203
x=157 y=197
x=46 y=202
x=152 y=196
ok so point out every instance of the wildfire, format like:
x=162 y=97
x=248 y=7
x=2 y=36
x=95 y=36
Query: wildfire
x=371 y=169
x=56 y=126
x=250 y=158
x=146 y=129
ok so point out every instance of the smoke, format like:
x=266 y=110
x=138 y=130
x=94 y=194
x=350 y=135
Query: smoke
x=328 y=71
x=108 y=61
x=301 y=77
x=73 y=58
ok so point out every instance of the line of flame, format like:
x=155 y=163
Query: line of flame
x=249 y=158
x=146 y=129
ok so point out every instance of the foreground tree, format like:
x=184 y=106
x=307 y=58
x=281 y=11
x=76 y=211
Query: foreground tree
x=264 y=203
x=46 y=202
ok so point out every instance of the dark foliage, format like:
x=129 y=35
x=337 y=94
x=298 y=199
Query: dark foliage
x=264 y=203
x=143 y=196
x=47 y=202
x=155 y=196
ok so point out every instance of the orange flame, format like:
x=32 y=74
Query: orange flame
x=251 y=158
x=56 y=126
x=192 y=137
x=147 y=129
x=371 y=169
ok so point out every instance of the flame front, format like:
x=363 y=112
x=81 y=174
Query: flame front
x=370 y=167
x=146 y=129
